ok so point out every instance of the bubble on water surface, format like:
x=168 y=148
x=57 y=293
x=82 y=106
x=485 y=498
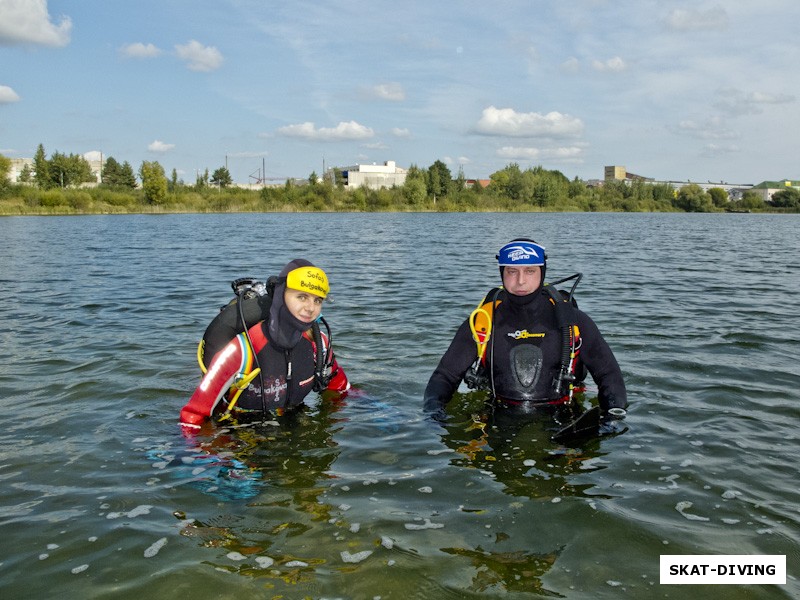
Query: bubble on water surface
x=265 y=562
x=683 y=506
x=79 y=569
x=425 y=489
x=730 y=494
x=296 y=563
x=426 y=525
x=236 y=556
x=355 y=558
x=153 y=549
x=671 y=480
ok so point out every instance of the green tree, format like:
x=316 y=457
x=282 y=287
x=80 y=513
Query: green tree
x=202 y=180
x=42 y=168
x=69 y=170
x=499 y=180
x=127 y=176
x=154 y=182
x=719 y=197
x=118 y=175
x=751 y=201
x=439 y=179
x=415 y=188
x=26 y=175
x=692 y=198
x=788 y=198
x=5 y=169
x=221 y=177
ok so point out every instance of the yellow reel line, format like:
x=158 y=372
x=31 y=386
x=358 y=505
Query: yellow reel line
x=239 y=385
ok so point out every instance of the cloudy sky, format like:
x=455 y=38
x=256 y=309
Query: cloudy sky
x=672 y=90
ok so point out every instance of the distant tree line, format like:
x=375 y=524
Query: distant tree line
x=55 y=186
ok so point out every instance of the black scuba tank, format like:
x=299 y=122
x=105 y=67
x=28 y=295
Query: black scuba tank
x=252 y=302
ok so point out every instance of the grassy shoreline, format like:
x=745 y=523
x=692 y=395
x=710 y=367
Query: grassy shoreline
x=26 y=200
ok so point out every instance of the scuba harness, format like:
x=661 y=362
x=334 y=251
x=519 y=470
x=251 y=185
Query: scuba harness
x=571 y=371
x=250 y=306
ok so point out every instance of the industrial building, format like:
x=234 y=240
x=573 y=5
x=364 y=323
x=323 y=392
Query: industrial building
x=374 y=176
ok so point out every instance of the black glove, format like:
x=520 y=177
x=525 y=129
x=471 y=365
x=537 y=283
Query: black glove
x=611 y=421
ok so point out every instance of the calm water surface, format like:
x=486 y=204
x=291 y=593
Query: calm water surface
x=102 y=497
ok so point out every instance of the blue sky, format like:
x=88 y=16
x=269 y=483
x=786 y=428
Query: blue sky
x=671 y=90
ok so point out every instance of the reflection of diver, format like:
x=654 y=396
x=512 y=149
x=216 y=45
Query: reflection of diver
x=264 y=352
x=517 y=449
x=293 y=458
x=529 y=345
x=515 y=571
x=293 y=452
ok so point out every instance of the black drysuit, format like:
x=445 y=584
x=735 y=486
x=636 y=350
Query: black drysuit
x=526 y=373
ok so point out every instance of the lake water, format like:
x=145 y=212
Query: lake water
x=102 y=497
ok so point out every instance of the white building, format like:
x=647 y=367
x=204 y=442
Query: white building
x=374 y=176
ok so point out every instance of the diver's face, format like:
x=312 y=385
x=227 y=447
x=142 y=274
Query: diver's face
x=303 y=306
x=522 y=280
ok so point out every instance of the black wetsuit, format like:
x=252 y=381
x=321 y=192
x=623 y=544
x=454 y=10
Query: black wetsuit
x=527 y=320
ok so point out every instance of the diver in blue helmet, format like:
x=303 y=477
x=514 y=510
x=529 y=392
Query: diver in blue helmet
x=528 y=344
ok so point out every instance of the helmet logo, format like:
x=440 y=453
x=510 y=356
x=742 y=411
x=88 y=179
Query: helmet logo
x=516 y=253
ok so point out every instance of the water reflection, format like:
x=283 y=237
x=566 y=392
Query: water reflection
x=270 y=478
x=508 y=571
x=518 y=450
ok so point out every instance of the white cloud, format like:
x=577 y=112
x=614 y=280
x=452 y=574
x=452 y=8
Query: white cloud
x=571 y=65
x=140 y=50
x=28 y=22
x=93 y=155
x=712 y=150
x=391 y=91
x=713 y=128
x=508 y=122
x=160 y=147
x=687 y=19
x=343 y=131
x=737 y=102
x=615 y=64
x=8 y=95
x=247 y=154
x=527 y=153
x=401 y=132
x=199 y=57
